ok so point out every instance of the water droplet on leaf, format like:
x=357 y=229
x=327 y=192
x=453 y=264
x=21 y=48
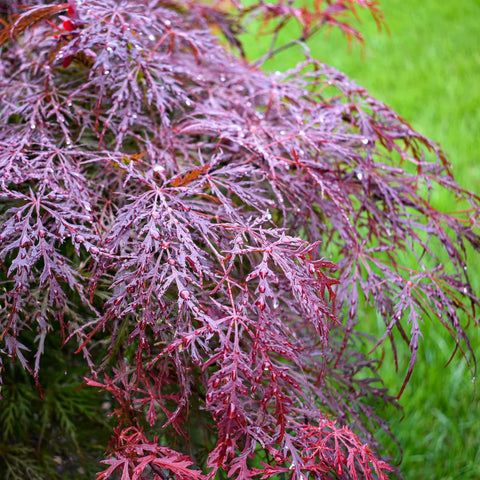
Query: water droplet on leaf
x=185 y=294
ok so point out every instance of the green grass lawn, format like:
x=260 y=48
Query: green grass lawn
x=428 y=70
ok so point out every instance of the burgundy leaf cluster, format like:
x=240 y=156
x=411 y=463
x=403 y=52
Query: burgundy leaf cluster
x=210 y=234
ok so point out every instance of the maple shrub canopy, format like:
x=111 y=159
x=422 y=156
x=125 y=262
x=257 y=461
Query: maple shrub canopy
x=210 y=237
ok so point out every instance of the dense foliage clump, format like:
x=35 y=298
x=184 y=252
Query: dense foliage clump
x=209 y=237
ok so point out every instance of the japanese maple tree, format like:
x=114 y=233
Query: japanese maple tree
x=210 y=236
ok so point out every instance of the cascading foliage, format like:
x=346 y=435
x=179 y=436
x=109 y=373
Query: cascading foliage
x=207 y=235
